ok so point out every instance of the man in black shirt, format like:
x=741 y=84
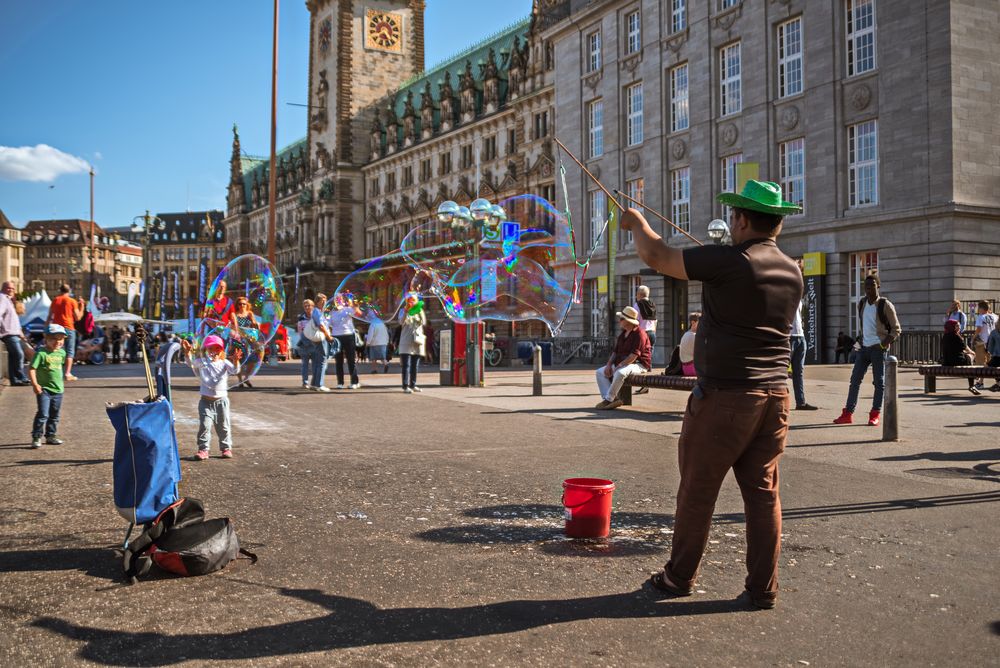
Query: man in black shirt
x=737 y=414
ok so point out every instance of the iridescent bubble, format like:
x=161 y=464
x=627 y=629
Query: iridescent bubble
x=513 y=261
x=376 y=290
x=246 y=303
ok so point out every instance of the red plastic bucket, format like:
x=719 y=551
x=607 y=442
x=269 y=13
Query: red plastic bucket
x=587 y=507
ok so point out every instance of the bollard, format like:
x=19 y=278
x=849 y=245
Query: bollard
x=536 y=377
x=890 y=406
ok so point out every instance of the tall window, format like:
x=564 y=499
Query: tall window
x=792 y=163
x=633 y=114
x=678 y=15
x=541 y=124
x=728 y=182
x=860 y=36
x=598 y=214
x=425 y=170
x=595 y=122
x=790 y=57
x=636 y=190
x=444 y=163
x=679 y=98
x=467 y=158
x=860 y=266
x=731 y=100
x=596 y=312
x=490 y=148
x=862 y=158
x=511 y=141
x=594 y=51
x=633 y=35
x=680 y=199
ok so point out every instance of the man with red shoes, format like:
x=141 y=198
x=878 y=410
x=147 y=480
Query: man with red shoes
x=879 y=328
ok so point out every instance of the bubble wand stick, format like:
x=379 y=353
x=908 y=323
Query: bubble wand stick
x=658 y=215
x=612 y=197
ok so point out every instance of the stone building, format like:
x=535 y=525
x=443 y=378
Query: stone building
x=59 y=251
x=11 y=254
x=387 y=141
x=878 y=116
x=179 y=246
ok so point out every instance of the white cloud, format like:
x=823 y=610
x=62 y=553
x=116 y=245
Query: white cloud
x=97 y=154
x=38 y=163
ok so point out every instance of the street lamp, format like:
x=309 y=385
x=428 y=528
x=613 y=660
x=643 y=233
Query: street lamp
x=149 y=224
x=718 y=232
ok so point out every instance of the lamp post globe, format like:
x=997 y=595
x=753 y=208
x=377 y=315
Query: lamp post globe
x=497 y=214
x=480 y=209
x=446 y=211
x=718 y=231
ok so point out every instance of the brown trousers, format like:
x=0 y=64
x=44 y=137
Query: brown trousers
x=743 y=430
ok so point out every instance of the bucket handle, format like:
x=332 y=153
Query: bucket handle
x=593 y=493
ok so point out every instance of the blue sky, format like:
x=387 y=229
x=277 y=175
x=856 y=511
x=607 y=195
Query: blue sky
x=147 y=93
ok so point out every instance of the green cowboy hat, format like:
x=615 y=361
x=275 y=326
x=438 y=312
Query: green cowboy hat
x=763 y=196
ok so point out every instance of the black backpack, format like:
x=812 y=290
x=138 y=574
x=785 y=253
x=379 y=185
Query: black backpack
x=181 y=541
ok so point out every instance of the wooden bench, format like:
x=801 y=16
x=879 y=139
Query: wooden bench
x=930 y=372
x=654 y=380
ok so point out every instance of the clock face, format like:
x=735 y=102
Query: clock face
x=383 y=30
x=325 y=33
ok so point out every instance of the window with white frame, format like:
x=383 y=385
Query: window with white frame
x=727 y=183
x=633 y=114
x=679 y=119
x=596 y=312
x=594 y=51
x=862 y=158
x=859 y=266
x=731 y=97
x=598 y=214
x=632 y=284
x=680 y=199
x=635 y=189
x=860 y=36
x=722 y=5
x=678 y=15
x=633 y=33
x=595 y=128
x=790 y=57
x=792 y=163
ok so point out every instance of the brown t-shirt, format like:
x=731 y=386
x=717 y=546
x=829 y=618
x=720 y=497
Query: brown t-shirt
x=633 y=343
x=749 y=297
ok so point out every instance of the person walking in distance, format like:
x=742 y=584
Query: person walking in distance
x=955 y=313
x=737 y=414
x=879 y=328
x=65 y=311
x=377 y=341
x=647 y=320
x=986 y=323
x=798 y=343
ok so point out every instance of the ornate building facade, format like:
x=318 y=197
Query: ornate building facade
x=59 y=251
x=379 y=156
x=11 y=254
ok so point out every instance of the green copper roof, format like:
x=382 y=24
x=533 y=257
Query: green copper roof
x=254 y=166
x=501 y=42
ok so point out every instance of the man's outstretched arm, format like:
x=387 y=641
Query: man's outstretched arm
x=652 y=250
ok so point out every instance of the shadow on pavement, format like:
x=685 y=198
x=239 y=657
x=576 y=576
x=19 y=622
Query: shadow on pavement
x=67 y=462
x=101 y=562
x=354 y=622
x=595 y=414
x=968 y=456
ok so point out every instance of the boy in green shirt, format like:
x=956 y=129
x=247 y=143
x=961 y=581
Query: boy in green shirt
x=46 y=375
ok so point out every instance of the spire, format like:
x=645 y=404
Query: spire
x=235 y=173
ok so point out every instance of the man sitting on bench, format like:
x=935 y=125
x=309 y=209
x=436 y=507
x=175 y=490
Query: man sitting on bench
x=632 y=354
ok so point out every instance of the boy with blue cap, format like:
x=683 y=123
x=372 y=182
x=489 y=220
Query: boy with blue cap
x=46 y=376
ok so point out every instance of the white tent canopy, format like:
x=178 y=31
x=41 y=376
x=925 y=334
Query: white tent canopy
x=123 y=318
x=36 y=309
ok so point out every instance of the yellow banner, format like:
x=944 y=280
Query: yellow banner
x=814 y=264
x=746 y=171
x=602 y=284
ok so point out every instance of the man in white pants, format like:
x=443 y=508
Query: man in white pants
x=632 y=354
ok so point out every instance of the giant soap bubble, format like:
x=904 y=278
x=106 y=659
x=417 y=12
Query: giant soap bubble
x=503 y=264
x=244 y=307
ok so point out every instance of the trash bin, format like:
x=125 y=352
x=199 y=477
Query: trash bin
x=546 y=352
x=524 y=350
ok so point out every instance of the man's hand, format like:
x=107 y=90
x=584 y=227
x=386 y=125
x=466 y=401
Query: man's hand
x=609 y=371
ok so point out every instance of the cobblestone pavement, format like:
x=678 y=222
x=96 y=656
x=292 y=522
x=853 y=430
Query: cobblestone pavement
x=421 y=529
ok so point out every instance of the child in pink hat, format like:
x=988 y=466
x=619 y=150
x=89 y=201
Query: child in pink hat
x=214 y=370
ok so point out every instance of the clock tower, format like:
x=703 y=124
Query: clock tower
x=358 y=51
